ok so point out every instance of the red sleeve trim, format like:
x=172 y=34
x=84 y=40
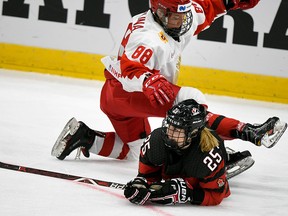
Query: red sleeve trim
x=131 y=68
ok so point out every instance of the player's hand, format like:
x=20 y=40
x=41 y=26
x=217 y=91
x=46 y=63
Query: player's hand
x=171 y=192
x=240 y=4
x=247 y=4
x=158 y=90
x=136 y=191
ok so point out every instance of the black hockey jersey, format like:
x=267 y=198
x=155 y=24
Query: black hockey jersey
x=204 y=171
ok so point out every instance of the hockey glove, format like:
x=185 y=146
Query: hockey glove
x=171 y=192
x=136 y=191
x=158 y=90
x=240 y=4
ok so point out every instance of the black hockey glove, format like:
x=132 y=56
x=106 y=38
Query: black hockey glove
x=136 y=191
x=171 y=192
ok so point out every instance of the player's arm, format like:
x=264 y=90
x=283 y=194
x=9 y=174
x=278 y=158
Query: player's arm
x=137 y=56
x=214 y=187
x=150 y=160
x=138 y=191
x=206 y=12
x=213 y=9
x=137 y=60
x=136 y=64
x=211 y=190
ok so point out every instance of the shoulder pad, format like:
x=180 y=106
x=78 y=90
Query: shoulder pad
x=153 y=148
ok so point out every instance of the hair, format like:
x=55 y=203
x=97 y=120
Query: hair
x=207 y=140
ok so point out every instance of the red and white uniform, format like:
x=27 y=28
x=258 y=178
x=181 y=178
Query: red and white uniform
x=147 y=49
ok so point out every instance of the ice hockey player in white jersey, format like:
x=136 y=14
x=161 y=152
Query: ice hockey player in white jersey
x=141 y=83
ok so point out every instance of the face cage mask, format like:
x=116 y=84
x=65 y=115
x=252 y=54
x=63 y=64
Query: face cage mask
x=177 y=32
x=171 y=142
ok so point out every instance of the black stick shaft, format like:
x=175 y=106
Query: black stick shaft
x=62 y=176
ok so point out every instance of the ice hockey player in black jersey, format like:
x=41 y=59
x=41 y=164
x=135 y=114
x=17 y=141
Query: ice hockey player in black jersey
x=182 y=161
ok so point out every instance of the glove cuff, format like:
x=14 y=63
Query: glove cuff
x=197 y=196
x=140 y=182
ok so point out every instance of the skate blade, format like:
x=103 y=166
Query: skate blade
x=78 y=154
x=239 y=167
x=229 y=150
x=270 y=140
x=70 y=128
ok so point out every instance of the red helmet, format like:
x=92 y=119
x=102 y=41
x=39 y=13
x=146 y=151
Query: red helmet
x=163 y=9
x=175 y=6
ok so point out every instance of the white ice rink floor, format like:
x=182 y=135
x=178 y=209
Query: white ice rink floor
x=33 y=110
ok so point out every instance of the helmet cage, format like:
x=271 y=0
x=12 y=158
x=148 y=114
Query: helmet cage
x=163 y=9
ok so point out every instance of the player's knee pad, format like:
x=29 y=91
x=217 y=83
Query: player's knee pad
x=134 y=151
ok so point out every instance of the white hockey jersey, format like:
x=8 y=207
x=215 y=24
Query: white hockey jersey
x=147 y=49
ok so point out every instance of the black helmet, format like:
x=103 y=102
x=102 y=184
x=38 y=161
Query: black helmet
x=189 y=117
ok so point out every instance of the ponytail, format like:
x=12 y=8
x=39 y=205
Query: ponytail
x=207 y=140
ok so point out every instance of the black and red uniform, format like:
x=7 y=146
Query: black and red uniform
x=204 y=172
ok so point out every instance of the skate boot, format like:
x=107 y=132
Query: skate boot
x=237 y=162
x=266 y=134
x=74 y=135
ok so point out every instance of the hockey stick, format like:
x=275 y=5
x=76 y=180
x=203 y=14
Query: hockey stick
x=244 y=165
x=81 y=179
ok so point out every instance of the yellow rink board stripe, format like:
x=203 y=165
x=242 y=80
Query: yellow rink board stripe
x=89 y=66
x=236 y=84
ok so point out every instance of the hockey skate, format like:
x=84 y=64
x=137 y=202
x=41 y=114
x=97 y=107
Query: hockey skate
x=237 y=162
x=266 y=134
x=75 y=135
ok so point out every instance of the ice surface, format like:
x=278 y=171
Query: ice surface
x=33 y=110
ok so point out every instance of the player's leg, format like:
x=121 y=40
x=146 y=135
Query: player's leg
x=75 y=135
x=128 y=137
x=266 y=134
x=128 y=113
x=237 y=162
